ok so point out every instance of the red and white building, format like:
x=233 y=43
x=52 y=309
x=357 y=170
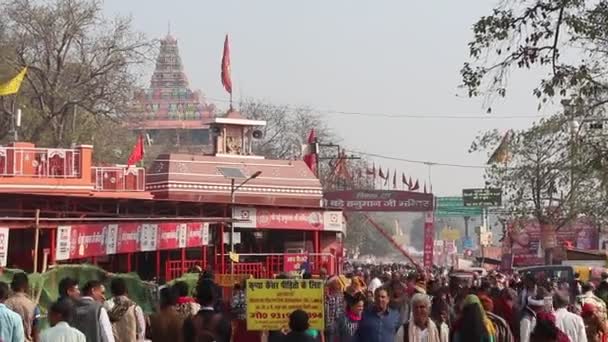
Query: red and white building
x=57 y=207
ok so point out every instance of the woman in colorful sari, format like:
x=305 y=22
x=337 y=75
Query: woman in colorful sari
x=473 y=324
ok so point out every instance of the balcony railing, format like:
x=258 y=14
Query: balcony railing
x=40 y=162
x=119 y=178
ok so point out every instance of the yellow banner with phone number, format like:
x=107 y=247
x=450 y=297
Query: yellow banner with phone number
x=271 y=301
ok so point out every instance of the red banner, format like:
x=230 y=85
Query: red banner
x=85 y=241
x=299 y=219
x=293 y=262
x=289 y=218
x=429 y=235
x=379 y=200
x=194 y=235
x=168 y=236
x=128 y=238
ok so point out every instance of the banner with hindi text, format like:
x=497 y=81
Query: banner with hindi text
x=271 y=301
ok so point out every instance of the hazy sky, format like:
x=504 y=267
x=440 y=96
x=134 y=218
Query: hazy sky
x=393 y=57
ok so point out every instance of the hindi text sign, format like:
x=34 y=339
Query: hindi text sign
x=292 y=262
x=484 y=197
x=4 y=231
x=271 y=301
x=379 y=200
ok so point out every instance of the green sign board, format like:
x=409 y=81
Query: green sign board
x=454 y=207
x=484 y=197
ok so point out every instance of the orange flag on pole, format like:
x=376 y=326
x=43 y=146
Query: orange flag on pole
x=226 y=75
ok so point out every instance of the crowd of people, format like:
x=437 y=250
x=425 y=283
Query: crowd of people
x=386 y=304
x=87 y=316
x=369 y=304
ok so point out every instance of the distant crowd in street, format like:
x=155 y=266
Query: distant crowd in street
x=369 y=303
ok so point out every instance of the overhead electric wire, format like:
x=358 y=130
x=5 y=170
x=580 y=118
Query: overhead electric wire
x=412 y=116
x=466 y=116
x=413 y=161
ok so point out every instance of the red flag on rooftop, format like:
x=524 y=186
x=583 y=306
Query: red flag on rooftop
x=138 y=151
x=226 y=77
x=310 y=155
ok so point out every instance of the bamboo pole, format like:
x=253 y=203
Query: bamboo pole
x=36 y=239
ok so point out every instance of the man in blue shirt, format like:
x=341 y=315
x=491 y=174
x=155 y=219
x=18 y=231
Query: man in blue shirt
x=379 y=323
x=11 y=326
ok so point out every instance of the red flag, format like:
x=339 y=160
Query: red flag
x=381 y=174
x=310 y=157
x=138 y=152
x=403 y=179
x=226 y=77
x=388 y=176
x=410 y=184
x=395 y=179
x=416 y=186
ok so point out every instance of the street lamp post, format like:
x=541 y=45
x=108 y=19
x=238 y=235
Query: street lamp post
x=233 y=190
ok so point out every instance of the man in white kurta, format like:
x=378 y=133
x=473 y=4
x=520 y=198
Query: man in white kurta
x=571 y=324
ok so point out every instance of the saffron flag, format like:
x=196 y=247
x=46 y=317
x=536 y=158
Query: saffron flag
x=226 y=76
x=12 y=86
x=341 y=169
x=502 y=153
x=138 y=151
x=310 y=155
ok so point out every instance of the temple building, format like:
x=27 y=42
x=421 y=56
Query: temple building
x=169 y=112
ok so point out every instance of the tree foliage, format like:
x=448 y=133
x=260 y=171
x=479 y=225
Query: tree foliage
x=557 y=172
x=78 y=62
x=568 y=39
x=286 y=129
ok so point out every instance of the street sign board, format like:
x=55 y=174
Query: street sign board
x=454 y=207
x=485 y=197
